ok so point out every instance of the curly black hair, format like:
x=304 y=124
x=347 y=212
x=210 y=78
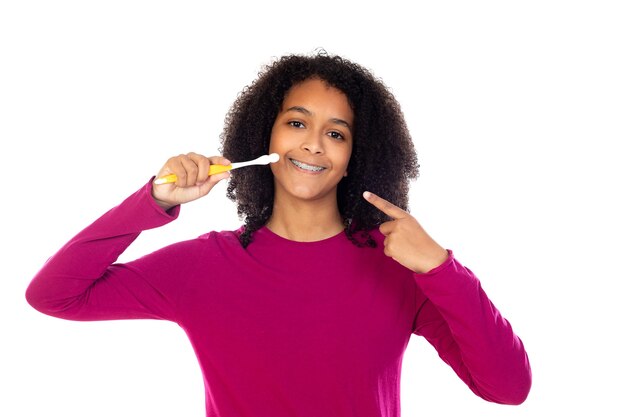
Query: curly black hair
x=383 y=158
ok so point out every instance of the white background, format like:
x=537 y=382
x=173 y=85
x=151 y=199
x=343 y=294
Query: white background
x=517 y=110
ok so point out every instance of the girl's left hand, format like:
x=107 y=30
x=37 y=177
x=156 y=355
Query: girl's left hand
x=405 y=240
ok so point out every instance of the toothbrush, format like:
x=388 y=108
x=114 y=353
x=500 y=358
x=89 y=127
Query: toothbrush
x=216 y=169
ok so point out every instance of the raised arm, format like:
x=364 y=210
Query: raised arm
x=83 y=282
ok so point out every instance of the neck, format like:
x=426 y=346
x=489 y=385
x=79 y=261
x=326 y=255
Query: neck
x=305 y=221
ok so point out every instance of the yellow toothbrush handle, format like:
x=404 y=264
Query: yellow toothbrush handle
x=216 y=169
x=213 y=169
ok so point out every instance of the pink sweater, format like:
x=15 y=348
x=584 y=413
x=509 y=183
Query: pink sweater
x=286 y=328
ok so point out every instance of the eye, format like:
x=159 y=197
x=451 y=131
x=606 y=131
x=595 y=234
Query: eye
x=335 y=135
x=296 y=124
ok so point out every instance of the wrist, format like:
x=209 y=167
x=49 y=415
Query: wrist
x=164 y=205
x=433 y=262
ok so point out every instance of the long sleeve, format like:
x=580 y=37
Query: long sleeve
x=82 y=282
x=470 y=334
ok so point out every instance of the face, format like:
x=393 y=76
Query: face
x=313 y=136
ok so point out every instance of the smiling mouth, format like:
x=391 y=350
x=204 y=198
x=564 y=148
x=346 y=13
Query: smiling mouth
x=307 y=167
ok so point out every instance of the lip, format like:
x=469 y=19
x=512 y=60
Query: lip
x=291 y=162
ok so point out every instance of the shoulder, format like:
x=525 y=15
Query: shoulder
x=224 y=237
x=212 y=247
x=197 y=247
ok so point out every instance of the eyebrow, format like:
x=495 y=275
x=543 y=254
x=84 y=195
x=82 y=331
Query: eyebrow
x=308 y=112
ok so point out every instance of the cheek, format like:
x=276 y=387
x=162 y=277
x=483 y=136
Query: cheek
x=276 y=142
x=347 y=154
x=273 y=136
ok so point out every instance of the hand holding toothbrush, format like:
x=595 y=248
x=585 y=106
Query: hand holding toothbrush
x=193 y=180
x=185 y=178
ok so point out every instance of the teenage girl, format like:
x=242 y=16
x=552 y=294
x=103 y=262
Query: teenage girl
x=307 y=309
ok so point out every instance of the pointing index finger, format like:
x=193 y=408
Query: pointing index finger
x=385 y=206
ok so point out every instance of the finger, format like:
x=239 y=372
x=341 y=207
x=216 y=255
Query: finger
x=219 y=160
x=387 y=227
x=387 y=248
x=385 y=206
x=202 y=162
x=206 y=186
x=173 y=166
x=191 y=172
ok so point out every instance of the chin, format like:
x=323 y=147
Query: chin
x=306 y=193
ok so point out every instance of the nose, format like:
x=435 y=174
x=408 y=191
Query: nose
x=313 y=143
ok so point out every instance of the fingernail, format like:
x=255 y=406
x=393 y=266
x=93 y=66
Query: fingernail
x=367 y=195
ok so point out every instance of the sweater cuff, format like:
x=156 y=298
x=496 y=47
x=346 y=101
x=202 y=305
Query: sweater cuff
x=171 y=214
x=439 y=268
x=449 y=278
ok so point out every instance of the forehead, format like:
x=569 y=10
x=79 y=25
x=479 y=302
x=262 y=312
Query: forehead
x=315 y=94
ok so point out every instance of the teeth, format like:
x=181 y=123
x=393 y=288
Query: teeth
x=308 y=167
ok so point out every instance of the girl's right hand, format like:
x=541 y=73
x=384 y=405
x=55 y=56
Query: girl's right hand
x=193 y=180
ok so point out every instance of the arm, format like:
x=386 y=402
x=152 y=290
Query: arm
x=470 y=334
x=82 y=282
x=455 y=315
